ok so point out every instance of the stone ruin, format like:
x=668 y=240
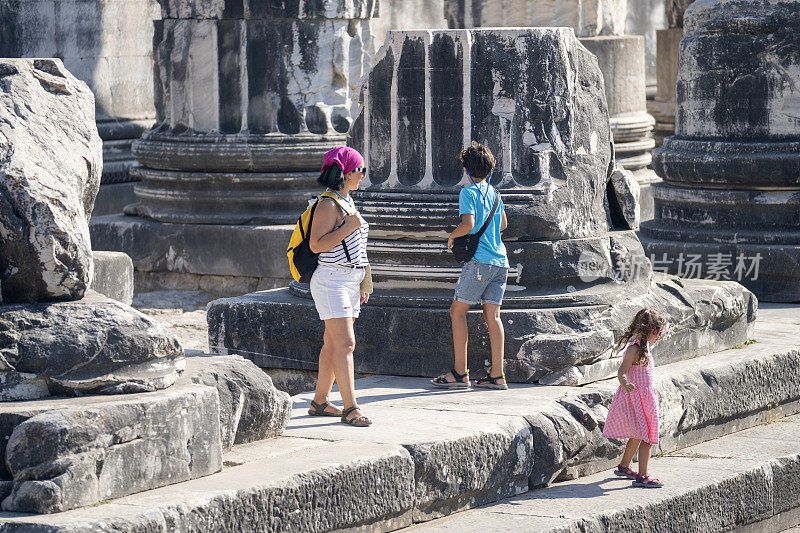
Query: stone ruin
x=662 y=107
x=78 y=357
x=578 y=269
x=729 y=204
x=108 y=45
x=241 y=128
x=600 y=26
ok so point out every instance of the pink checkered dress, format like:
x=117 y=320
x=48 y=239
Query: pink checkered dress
x=634 y=415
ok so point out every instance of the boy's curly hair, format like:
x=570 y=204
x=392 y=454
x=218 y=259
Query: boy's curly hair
x=478 y=160
x=643 y=324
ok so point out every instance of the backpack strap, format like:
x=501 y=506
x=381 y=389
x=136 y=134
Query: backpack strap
x=345 y=208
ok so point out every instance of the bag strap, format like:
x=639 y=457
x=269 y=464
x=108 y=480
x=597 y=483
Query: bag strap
x=491 y=214
x=346 y=208
x=343 y=208
x=307 y=235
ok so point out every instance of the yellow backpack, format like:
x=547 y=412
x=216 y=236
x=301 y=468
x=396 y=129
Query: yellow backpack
x=302 y=261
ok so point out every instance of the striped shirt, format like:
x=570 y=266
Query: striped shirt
x=356 y=244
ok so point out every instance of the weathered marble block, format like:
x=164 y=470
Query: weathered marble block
x=108 y=45
x=732 y=171
x=50 y=165
x=600 y=25
x=73 y=457
x=93 y=345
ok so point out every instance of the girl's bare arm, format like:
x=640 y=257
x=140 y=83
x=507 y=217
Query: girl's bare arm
x=631 y=354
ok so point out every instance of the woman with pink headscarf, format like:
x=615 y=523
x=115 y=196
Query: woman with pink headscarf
x=340 y=283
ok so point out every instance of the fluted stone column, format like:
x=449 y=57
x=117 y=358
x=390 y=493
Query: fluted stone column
x=248 y=98
x=534 y=96
x=600 y=25
x=107 y=44
x=731 y=191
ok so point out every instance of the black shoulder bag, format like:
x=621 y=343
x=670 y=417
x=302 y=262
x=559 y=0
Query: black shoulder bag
x=464 y=247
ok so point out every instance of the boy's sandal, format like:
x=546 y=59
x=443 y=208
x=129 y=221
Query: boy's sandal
x=627 y=472
x=357 y=421
x=318 y=409
x=492 y=383
x=647 y=482
x=442 y=383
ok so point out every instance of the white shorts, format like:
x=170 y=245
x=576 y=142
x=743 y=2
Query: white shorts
x=336 y=291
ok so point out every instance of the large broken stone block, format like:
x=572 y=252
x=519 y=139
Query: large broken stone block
x=251 y=408
x=50 y=165
x=78 y=456
x=94 y=345
x=106 y=43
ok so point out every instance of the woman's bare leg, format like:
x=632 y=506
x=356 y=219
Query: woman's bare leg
x=325 y=374
x=343 y=342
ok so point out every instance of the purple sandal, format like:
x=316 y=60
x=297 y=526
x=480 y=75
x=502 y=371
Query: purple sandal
x=627 y=472
x=647 y=482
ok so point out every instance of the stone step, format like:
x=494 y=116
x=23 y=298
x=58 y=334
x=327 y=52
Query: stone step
x=432 y=453
x=64 y=453
x=749 y=480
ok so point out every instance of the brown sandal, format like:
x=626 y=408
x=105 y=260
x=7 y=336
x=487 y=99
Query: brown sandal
x=318 y=409
x=357 y=421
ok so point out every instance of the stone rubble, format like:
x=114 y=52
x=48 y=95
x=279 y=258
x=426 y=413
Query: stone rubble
x=63 y=453
x=50 y=165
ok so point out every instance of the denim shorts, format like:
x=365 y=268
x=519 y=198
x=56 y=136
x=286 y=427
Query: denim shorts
x=481 y=282
x=336 y=291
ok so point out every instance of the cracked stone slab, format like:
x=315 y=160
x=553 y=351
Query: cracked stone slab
x=77 y=456
x=93 y=345
x=290 y=485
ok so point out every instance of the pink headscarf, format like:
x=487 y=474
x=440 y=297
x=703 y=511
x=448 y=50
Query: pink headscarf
x=347 y=158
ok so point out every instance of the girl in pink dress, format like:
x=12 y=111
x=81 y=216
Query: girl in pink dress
x=633 y=414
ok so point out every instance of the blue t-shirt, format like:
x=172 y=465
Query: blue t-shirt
x=477 y=200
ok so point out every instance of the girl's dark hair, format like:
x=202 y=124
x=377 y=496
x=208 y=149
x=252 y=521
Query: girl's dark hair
x=643 y=324
x=478 y=160
x=332 y=177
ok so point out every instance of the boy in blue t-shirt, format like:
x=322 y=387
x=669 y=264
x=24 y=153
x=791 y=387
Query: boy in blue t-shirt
x=483 y=279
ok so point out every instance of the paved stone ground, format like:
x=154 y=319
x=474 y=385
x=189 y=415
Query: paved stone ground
x=181 y=312
x=739 y=475
x=433 y=453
